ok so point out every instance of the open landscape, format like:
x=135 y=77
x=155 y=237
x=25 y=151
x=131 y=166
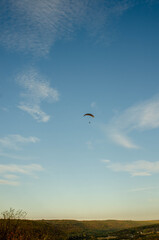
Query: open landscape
x=79 y=119
x=80 y=230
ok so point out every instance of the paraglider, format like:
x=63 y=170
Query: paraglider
x=88 y=114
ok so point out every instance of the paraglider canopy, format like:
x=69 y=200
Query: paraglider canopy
x=89 y=114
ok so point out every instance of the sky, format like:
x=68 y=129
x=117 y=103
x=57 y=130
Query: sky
x=60 y=59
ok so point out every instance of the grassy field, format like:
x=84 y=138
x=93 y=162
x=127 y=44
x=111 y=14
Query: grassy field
x=71 y=229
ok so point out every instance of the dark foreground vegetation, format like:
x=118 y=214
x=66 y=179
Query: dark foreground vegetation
x=14 y=227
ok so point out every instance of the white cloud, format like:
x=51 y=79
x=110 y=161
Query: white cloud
x=10 y=176
x=142 y=189
x=136 y=168
x=14 y=156
x=89 y=144
x=143 y=116
x=35 y=112
x=24 y=169
x=36 y=87
x=140 y=174
x=105 y=160
x=4 y=109
x=15 y=141
x=8 y=182
x=34 y=26
x=122 y=140
x=93 y=104
x=10 y=172
x=36 y=90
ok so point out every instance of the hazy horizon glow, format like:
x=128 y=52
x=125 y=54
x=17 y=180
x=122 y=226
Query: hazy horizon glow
x=59 y=60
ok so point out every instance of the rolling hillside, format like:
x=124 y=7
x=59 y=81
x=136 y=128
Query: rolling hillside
x=73 y=226
x=71 y=229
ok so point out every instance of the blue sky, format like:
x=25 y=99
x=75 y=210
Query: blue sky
x=59 y=60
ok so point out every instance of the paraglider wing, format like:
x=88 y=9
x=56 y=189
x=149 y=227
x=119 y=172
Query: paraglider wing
x=89 y=114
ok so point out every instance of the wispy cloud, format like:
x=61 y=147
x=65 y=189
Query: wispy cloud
x=11 y=172
x=35 y=112
x=34 y=26
x=121 y=139
x=4 y=109
x=16 y=141
x=105 y=160
x=89 y=144
x=11 y=176
x=36 y=90
x=10 y=179
x=136 y=168
x=93 y=104
x=142 y=189
x=143 y=116
x=9 y=182
x=14 y=156
x=24 y=169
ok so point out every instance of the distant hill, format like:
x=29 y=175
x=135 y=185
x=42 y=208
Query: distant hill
x=149 y=232
x=108 y=225
x=97 y=227
x=72 y=229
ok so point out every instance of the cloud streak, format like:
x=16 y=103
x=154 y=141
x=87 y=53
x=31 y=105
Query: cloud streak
x=140 y=117
x=9 y=172
x=122 y=140
x=142 y=189
x=36 y=90
x=15 y=141
x=9 y=182
x=89 y=144
x=136 y=168
x=24 y=169
x=34 y=26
